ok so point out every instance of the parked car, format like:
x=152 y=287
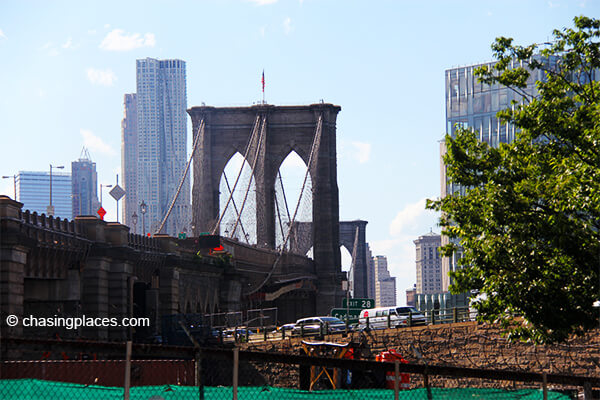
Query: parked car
x=318 y=325
x=393 y=317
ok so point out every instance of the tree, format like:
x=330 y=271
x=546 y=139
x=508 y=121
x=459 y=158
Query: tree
x=528 y=222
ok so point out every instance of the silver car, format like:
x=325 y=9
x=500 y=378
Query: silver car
x=318 y=325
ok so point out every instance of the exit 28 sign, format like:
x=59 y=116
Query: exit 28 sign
x=359 y=303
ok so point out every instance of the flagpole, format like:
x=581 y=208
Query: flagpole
x=263 y=85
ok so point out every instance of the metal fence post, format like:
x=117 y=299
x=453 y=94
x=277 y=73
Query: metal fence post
x=410 y=318
x=545 y=385
x=127 y=370
x=454 y=315
x=587 y=391
x=426 y=384
x=198 y=369
x=236 y=364
x=396 y=379
x=389 y=320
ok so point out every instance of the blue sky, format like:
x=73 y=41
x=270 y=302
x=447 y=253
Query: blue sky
x=65 y=66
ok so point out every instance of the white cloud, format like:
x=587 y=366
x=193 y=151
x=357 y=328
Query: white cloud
x=91 y=31
x=409 y=218
x=552 y=4
x=262 y=30
x=101 y=77
x=106 y=26
x=287 y=25
x=94 y=143
x=2 y=35
x=362 y=151
x=68 y=44
x=119 y=40
x=262 y=2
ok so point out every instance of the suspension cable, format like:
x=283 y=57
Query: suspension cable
x=185 y=172
x=279 y=215
x=235 y=207
x=260 y=138
x=250 y=141
x=353 y=263
x=284 y=196
x=315 y=144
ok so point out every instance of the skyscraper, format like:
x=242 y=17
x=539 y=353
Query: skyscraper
x=33 y=190
x=473 y=104
x=385 y=285
x=129 y=160
x=160 y=104
x=429 y=264
x=84 y=186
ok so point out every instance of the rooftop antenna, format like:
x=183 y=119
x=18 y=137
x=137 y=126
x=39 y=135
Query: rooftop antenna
x=85 y=154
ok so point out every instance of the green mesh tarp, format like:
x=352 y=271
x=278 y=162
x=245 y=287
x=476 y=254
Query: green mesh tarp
x=33 y=389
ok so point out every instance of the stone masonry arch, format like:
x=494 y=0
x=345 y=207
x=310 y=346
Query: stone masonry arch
x=288 y=128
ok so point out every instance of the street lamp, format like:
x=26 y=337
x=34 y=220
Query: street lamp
x=143 y=210
x=134 y=220
x=14 y=183
x=106 y=186
x=50 y=209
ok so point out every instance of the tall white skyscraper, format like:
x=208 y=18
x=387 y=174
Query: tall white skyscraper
x=385 y=285
x=160 y=105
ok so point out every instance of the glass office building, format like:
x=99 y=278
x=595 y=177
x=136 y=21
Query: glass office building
x=84 y=186
x=473 y=104
x=33 y=190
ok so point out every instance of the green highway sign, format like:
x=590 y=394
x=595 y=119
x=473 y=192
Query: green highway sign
x=359 y=303
x=353 y=314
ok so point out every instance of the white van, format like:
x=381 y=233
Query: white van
x=393 y=317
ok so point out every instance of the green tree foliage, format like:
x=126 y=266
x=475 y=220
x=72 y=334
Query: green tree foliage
x=529 y=220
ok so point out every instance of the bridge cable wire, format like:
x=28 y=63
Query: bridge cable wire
x=279 y=215
x=250 y=141
x=314 y=148
x=353 y=263
x=185 y=172
x=235 y=207
x=258 y=146
x=284 y=197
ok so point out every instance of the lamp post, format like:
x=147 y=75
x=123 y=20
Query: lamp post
x=50 y=209
x=14 y=183
x=134 y=220
x=143 y=210
x=106 y=186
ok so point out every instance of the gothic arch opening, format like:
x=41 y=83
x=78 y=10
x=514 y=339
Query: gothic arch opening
x=290 y=195
x=239 y=220
x=346 y=258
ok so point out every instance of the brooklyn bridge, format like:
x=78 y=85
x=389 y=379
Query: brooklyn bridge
x=249 y=254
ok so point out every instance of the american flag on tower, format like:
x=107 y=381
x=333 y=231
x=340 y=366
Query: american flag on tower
x=263 y=81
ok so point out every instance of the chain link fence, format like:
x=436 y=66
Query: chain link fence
x=319 y=370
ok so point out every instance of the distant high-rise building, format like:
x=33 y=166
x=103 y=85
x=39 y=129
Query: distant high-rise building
x=385 y=285
x=370 y=273
x=411 y=296
x=429 y=264
x=160 y=105
x=33 y=190
x=84 y=186
x=129 y=162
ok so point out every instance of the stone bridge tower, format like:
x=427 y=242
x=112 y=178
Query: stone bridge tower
x=288 y=128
